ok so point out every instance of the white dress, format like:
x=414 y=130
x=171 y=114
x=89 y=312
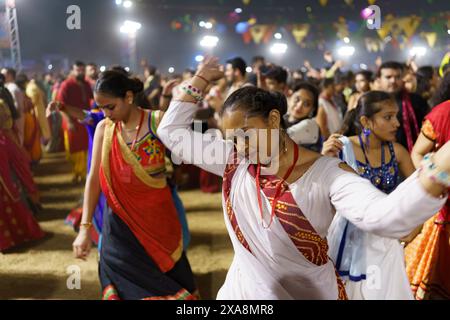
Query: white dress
x=381 y=259
x=274 y=269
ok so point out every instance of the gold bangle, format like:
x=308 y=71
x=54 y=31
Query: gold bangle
x=87 y=225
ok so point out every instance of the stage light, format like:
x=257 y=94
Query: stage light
x=171 y=70
x=209 y=41
x=127 y=4
x=208 y=25
x=346 y=40
x=50 y=67
x=201 y=24
x=363 y=66
x=127 y=69
x=346 y=51
x=249 y=69
x=119 y=2
x=278 y=36
x=130 y=27
x=279 y=48
x=418 y=51
x=238 y=10
x=102 y=69
x=199 y=58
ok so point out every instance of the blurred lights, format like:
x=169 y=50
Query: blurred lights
x=209 y=41
x=346 y=40
x=130 y=27
x=171 y=70
x=50 y=67
x=199 y=58
x=278 y=36
x=238 y=10
x=102 y=69
x=127 y=4
x=249 y=69
x=279 y=48
x=127 y=69
x=418 y=51
x=346 y=51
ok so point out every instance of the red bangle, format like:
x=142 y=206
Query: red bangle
x=201 y=78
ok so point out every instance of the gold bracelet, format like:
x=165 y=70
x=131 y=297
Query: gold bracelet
x=87 y=225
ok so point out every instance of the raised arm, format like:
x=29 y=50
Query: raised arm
x=175 y=129
x=395 y=215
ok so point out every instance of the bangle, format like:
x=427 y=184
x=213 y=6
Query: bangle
x=193 y=92
x=204 y=79
x=86 y=225
x=431 y=171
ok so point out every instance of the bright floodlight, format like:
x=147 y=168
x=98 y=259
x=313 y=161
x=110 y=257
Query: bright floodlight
x=448 y=31
x=418 y=51
x=279 y=48
x=50 y=67
x=249 y=69
x=127 y=4
x=119 y=2
x=363 y=66
x=202 y=24
x=278 y=36
x=347 y=40
x=102 y=69
x=130 y=27
x=199 y=58
x=127 y=69
x=171 y=70
x=238 y=10
x=208 y=25
x=209 y=41
x=346 y=51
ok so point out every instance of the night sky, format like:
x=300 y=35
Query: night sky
x=43 y=31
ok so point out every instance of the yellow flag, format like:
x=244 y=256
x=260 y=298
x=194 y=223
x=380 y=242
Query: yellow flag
x=257 y=32
x=431 y=38
x=323 y=3
x=300 y=31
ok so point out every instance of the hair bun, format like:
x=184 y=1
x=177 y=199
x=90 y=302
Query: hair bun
x=136 y=85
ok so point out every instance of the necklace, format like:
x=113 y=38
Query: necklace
x=138 y=128
x=278 y=188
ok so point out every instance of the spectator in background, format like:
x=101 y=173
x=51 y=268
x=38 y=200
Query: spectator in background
x=152 y=86
x=235 y=73
x=76 y=92
x=412 y=107
x=258 y=67
x=276 y=80
x=19 y=100
x=362 y=85
x=427 y=82
x=329 y=117
x=91 y=74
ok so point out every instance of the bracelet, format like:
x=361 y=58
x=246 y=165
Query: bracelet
x=193 y=92
x=433 y=172
x=87 y=225
x=204 y=79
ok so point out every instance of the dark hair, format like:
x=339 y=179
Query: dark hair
x=314 y=91
x=443 y=92
x=424 y=76
x=119 y=69
x=116 y=84
x=277 y=73
x=256 y=59
x=78 y=64
x=390 y=65
x=151 y=70
x=368 y=105
x=21 y=81
x=256 y=102
x=7 y=97
x=326 y=83
x=239 y=64
x=11 y=72
x=367 y=74
x=92 y=64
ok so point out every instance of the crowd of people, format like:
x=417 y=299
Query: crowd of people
x=362 y=178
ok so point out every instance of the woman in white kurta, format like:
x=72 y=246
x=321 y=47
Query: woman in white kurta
x=282 y=253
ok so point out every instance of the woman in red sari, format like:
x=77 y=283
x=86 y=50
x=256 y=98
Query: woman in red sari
x=428 y=255
x=17 y=224
x=142 y=254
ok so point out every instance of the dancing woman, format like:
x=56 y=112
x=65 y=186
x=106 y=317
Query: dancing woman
x=368 y=147
x=278 y=225
x=142 y=254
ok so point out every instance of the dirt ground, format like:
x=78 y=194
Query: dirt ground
x=39 y=270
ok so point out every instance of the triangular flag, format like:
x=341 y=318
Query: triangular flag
x=300 y=31
x=431 y=38
x=257 y=32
